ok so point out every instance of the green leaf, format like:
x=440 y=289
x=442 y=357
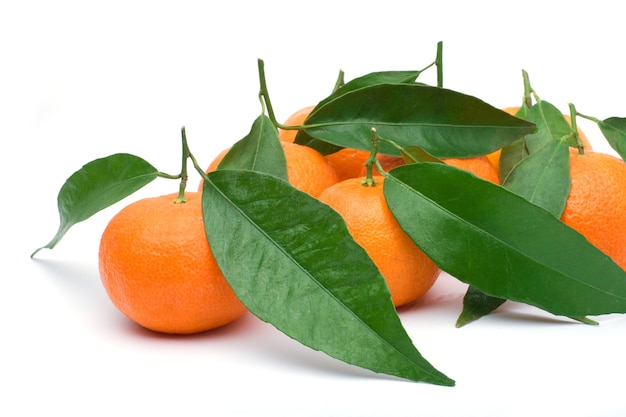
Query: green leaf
x=522 y=111
x=292 y=262
x=614 y=130
x=260 y=150
x=477 y=304
x=416 y=154
x=443 y=122
x=96 y=186
x=510 y=156
x=374 y=78
x=501 y=243
x=551 y=125
x=371 y=79
x=515 y=151
x=543 y=177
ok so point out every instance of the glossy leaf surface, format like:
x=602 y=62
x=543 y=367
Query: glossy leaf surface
x=477 y=304
x=614 y=130
x=371 y=79
x=96 y=186
x=510 y=156
x=367 y=80
x=543 y=177
x=260 y=150
x=502 y=244
x=551 y=125
x=293 y=263
x=443 y=122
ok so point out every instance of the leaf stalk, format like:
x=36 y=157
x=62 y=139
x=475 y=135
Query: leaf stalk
x=577 y=138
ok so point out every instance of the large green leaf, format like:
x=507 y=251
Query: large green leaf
x=260 y=150
x=543 y=179
x=443 y=122
x=374 y=78
x=614 y=130
x=293 y=263
x=97 y=185
x=501 y=243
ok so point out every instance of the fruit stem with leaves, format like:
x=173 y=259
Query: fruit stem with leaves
x=184 y=176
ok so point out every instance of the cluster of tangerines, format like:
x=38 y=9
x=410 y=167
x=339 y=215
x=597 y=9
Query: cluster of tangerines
x=157 y=267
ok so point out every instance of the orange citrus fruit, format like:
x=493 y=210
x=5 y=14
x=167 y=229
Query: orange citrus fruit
x=409 y=273
x=348 y=162
x=296 y=119
x=307 y=169
x=478 y=165
x=596 y=206
x=158 y=270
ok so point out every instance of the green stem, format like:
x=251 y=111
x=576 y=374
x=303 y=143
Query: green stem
x=340 y=81
x=183 y=172
x=198 y=168
x=371 y=161
x=590 y=118
x=579 y=141
x=439 y=63
x=264 y=95
x=528 y=91
x=168 y=176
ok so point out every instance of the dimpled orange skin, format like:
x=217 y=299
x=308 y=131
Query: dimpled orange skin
x=307 y=169
x=596 y=206
x=409 y=273
x=348 y=162
x=157 y=268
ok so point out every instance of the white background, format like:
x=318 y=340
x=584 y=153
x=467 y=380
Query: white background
x=82 y=80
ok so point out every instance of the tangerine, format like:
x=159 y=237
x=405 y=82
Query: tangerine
x=409 y=273
x=158 y=270
x=596 y=205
